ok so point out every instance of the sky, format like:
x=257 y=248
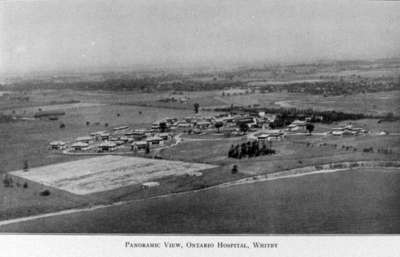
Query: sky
x=89 y=35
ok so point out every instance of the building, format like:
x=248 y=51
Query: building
x=85 y=139
x=57 y=145
x=234 y=91
x=80 y=146
x=347 y=130
x=150 y=184
x=120 y=128
x=164 y=136
x=139 y=145
x=100 y=135
x=126 y=139
x=271 y=135
x=107 y=146
x=184 y=125
x=48 y=114
x=203 y=124
x=155 y=141
x=337 y=132
x=167 y=122
x=297 y=125
x=104 y=136
x=97 y=133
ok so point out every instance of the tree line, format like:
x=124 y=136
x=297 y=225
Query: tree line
x=249 y=149
x=285 y=116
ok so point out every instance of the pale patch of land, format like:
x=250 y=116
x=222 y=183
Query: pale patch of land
x=108 y=172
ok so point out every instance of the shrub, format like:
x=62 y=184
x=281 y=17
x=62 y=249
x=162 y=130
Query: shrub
x=45 y=193
x=234 y=169
x=26 y=166
x=6 y=181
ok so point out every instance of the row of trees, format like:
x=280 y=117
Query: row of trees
x=144 y=84
x=336 y=87
x=285 y=116
x=249 y=149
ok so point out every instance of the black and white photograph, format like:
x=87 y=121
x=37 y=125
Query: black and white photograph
x=184 y=117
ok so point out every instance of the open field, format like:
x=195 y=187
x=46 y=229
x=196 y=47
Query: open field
x=20 y=201
x=107 y=172
x=369 y=103
x=28 y=140
x=359 y=201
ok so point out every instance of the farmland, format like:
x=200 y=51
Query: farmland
x=360 y=201
x=194 y=161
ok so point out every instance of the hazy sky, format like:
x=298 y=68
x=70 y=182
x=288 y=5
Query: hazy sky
x=55 y=35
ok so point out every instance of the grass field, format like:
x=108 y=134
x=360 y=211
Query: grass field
x=371 y=103
x=359 y=201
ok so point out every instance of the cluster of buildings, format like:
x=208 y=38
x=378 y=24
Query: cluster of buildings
x=347 y=130
x=176 y=99
x=162 y=131
x=271 y=135
x=121 y=137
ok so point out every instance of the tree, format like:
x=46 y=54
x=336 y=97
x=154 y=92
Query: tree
x=62 y=125
x=87 y=123
x=234 y=169
x=26 y=166
x=106 y=124
x=243 y=150
x=6 y=181
x=163 y=126
x=231 y=152
x=310 y=127
x=218 y=125
x=243 y=127
x=196 y=107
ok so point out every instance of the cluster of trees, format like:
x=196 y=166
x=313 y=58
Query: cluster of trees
x=143 y=84
x=5 y=118
x=285 y=116
x=9 y=182
x=249 y=149
x=336 y=87
x=389 y=117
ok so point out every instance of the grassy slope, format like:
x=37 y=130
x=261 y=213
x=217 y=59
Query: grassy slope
x=352 y=202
